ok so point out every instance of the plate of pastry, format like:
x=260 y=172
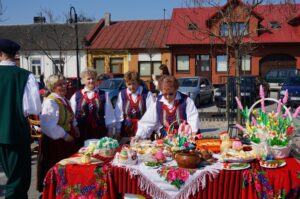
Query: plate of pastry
x=235 y=156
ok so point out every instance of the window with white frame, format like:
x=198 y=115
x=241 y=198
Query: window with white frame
x=203 y=62
x=147 y=68
x=222 y=65
x=58 y=66
x=36 y=67
x=246 y=62
x=183 y=63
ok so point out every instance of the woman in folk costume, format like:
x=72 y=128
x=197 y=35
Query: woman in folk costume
x=93 y=109
x=58 y=126
x=171 y=107
x=131 y=105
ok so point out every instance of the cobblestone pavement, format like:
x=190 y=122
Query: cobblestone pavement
x=209 y=126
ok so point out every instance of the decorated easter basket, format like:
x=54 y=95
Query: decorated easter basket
x=178 y=138
x=106 y=147
x=108 y=153
x=183 y=148
x=278 y=152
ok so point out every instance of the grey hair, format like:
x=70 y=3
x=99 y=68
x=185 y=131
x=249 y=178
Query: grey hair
x=88 y=71
x=52 y=80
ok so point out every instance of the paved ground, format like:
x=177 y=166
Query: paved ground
x=209 y=126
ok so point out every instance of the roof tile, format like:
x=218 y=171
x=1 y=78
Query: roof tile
x=180 y=35
x=136 y=34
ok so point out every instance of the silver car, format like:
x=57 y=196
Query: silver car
x=198 y=88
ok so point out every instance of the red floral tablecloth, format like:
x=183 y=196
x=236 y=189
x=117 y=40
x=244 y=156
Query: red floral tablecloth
x=106 y=181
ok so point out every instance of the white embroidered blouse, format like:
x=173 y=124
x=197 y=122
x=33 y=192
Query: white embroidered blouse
x=150 y=120
x=31 y=96
x=50 y=116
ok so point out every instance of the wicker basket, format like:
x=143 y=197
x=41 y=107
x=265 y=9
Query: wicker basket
x=276 y=151
x=280 y=152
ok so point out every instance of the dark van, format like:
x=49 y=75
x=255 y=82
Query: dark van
x=249 y=91
x=277 y=77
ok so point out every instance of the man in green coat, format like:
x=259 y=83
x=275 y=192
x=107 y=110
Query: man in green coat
x=19 y=97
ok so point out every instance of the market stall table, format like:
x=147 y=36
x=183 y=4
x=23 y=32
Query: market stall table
x=106 y=181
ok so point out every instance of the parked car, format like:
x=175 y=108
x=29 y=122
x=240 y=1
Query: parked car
x=104 y=76
x=277 y=77
x=293 y=86
x=198 y=88
x=249 y=91
x=113 y=86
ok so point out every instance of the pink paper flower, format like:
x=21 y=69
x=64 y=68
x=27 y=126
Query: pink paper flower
x=296 y=112
x=239 y=103
x=262 y=96
x=286 y=112
x=183 y=174
x=263 y=108
x=240 y=127
x=279 y=107
x=182 y=126
x=254 y=121
x=186 y=144
x=187 y=130
x=261 y=92
x=286 y=97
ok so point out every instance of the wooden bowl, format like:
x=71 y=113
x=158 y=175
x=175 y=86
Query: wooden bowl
x=189 y=160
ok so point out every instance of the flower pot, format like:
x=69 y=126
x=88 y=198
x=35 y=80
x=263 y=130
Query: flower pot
x=280 y=152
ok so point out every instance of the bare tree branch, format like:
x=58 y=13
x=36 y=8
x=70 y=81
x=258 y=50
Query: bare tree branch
x=229 y=26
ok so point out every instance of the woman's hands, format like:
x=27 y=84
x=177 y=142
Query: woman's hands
x=77 y=132
x=68 y=138
x=134 y=139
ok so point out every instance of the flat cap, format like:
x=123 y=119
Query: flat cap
x=9 y=47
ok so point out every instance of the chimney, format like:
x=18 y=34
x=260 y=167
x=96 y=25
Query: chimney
x=107 y=18
x=39 y=19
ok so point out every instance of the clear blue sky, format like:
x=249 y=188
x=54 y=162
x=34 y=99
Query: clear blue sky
x=23 y=11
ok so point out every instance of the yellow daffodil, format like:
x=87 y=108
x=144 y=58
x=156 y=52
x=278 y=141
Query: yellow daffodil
x=258 y=118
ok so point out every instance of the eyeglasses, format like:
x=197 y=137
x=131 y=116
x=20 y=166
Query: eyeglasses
x=167 y=94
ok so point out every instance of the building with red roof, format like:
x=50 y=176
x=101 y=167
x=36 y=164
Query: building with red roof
x=197 y=38
x=119 y=46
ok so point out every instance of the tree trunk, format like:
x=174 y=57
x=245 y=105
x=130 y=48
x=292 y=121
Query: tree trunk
x=226 y=88
x=238 y=84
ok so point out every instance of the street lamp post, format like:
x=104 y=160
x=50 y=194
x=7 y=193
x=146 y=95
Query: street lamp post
x=74 y=20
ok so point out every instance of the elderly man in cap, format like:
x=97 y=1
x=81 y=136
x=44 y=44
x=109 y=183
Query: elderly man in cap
x=19 y=98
